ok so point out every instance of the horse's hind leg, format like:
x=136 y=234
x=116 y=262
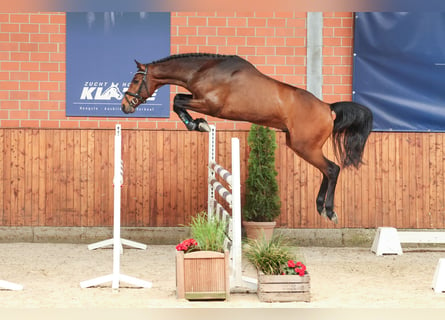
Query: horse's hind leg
x=321 y=197
x=333 y=171
x=330 y=171
x=179 y=102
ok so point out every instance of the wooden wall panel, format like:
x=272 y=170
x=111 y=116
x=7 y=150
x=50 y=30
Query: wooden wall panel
x=64 y=178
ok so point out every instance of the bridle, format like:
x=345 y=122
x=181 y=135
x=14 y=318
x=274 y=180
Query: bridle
x=136 y=97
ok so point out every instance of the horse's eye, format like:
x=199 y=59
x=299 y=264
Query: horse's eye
x=135 y=81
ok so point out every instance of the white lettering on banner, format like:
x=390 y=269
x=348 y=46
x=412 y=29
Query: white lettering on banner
x=101 y=90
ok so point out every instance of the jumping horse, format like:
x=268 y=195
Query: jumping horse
x=229 y=87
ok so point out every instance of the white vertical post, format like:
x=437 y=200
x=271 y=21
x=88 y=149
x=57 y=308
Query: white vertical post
x=212 y=159
x=117 y=183
x=116 y=276
x=236 y=213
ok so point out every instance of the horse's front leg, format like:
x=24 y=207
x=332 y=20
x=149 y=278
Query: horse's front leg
x=179 y=107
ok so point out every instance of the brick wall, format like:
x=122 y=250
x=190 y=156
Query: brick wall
x=32 y=60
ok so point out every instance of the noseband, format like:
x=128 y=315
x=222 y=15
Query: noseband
x=136 y=97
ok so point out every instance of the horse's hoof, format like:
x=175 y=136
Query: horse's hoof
x=203 y=126
x=334 y=218
x=323 y=213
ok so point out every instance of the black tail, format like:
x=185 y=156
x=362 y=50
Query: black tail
x=352 y=126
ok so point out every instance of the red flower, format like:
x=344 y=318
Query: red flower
x=291 y=264
x=187 y=245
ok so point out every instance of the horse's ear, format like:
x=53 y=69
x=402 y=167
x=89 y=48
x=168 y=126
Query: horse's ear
x=138 y=64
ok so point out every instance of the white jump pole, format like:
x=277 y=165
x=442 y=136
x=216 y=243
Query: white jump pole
x=116 y=276
x=117 y=182
x=6 y=285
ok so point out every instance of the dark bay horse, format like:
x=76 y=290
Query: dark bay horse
x=229 y=87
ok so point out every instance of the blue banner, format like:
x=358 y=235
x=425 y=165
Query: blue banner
x=100 y=52
x=399 y=69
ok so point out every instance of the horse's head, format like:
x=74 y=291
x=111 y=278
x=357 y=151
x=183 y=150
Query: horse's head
x=138 y=91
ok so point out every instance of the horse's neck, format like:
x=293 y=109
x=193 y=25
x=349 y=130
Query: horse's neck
x=171 y=72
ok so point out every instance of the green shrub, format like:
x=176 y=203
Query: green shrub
x=269 y=257
x=262 y=202
x=209 y=233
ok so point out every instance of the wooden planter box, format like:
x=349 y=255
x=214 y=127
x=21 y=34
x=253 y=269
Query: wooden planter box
x=202 y=275
x=283 y=288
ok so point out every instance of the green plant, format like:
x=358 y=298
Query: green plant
x=262 y=201
x=209 y=233
x=269 y=257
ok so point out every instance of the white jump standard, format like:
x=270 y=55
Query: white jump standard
x=6 y=285
x=388 y=240
x=233 y=199
x=116 y=276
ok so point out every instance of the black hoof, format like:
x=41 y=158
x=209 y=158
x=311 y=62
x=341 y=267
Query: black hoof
x=202 y=125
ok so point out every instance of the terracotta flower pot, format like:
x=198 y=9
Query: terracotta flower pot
x=258 y=230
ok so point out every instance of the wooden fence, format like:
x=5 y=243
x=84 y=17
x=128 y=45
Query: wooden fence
x=54 y=177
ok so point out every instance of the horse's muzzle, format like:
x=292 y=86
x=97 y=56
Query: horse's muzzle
x=128 y=108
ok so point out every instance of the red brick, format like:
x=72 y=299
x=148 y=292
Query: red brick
x=10 y=123
x=226 y=31
x=343 y=32
x=283 y=70
x=69 y=124
x=256 y=22
x=207 y=31
x=50 y=123
x=19 y=18
x=287 y=51
x=236 y=41
x=284 y=32
x=186 y=31
x=276 y=22
x=9 y=27
x=18 y=95
x=55 y=37
x=217 y=22
x=29 y=123
x=39 y=18
x=29 y=85
x=19 y=114
x=217 y=41
x=19 y=37
x=39 y=37
x=49 y=86
x=265 y=32
x=58 y=18
x=197 y=21
x=237 y=22
x=38 y=76
x=245 y=31
x=30 y=28
x=255 y=41
x=197 y=40
x=9 y=46
x=9 y=85
x=29 y=47
x=48 y=47
x=295 y=42
x=246 y=51
x=4 y=17
x=276 y=60
x=50 y=66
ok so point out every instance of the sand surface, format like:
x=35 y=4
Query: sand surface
x=340 y=278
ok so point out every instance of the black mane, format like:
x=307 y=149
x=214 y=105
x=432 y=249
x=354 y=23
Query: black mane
x=191 y=55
